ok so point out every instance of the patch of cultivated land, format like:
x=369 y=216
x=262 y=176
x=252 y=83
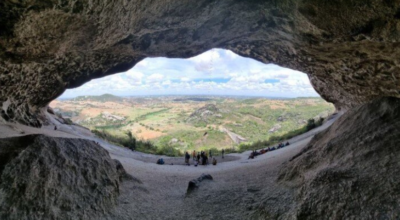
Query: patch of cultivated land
x=193 y=123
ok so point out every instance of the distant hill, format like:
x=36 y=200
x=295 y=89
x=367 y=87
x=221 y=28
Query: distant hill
x=194 y=99
x=101 y=98
x=204 y=114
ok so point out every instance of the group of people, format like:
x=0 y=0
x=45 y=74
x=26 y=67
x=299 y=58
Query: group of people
x=201 y=158
x=263 y=151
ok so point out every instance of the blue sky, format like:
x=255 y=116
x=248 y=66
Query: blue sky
x=215 y=72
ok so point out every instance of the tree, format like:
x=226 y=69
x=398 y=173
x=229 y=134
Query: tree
x=310 y=124
x=131 y=141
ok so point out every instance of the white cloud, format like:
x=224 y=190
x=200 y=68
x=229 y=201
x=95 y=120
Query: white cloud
x=166 y=83
x=231 y=54
x=185 y=79
x=154 y=78
x=205 y=62
x=165 y=76
x=134 y=77
x=143 y=63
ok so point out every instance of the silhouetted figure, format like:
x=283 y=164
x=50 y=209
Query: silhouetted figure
x=187 y=157
x=223 y=152
x=204 y=158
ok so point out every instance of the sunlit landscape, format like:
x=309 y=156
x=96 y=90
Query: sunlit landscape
x=193 y=122
x=216 y=100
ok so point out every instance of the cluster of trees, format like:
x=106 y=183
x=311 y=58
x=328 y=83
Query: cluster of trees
x=311 y=123
x=146 y=126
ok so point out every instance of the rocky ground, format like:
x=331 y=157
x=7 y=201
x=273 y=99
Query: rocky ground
x=238 y=191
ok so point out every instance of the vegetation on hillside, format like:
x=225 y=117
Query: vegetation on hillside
x=274 y=140
x=129 y=141
x=176 y=124
x=101 y=98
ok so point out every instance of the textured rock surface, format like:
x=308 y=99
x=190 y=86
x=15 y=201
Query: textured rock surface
x=56 y=178
x=348 y=48
x=351 y=170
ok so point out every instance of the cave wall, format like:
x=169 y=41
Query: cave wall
x=351 y=169
x=44 y=177
x=348 y=48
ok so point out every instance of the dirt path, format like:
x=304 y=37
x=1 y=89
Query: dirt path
x=234 y=137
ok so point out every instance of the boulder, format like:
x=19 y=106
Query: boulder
x=56 y=178
x=195 y=183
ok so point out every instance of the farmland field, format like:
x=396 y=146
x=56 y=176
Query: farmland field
x=193 y=123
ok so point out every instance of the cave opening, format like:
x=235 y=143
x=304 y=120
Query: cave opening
x=52 y=168
x=215 y=100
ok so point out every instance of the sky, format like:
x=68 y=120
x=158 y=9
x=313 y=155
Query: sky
x=215 y=72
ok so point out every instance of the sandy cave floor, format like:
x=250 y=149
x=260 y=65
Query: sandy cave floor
x=241 y=189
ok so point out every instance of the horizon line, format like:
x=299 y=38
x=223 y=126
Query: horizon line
x=250 y=96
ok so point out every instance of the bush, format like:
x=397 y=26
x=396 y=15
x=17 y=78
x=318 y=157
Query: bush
x=68 y=121
x=310 y=124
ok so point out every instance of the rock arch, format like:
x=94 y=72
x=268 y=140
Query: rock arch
x=348 y=48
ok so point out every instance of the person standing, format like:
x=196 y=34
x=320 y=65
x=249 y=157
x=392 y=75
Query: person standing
x=194 y=155
x=187 y=157
x=210 y=153
x=223 y=152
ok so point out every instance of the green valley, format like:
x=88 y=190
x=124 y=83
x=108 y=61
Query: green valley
x=193 y=123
